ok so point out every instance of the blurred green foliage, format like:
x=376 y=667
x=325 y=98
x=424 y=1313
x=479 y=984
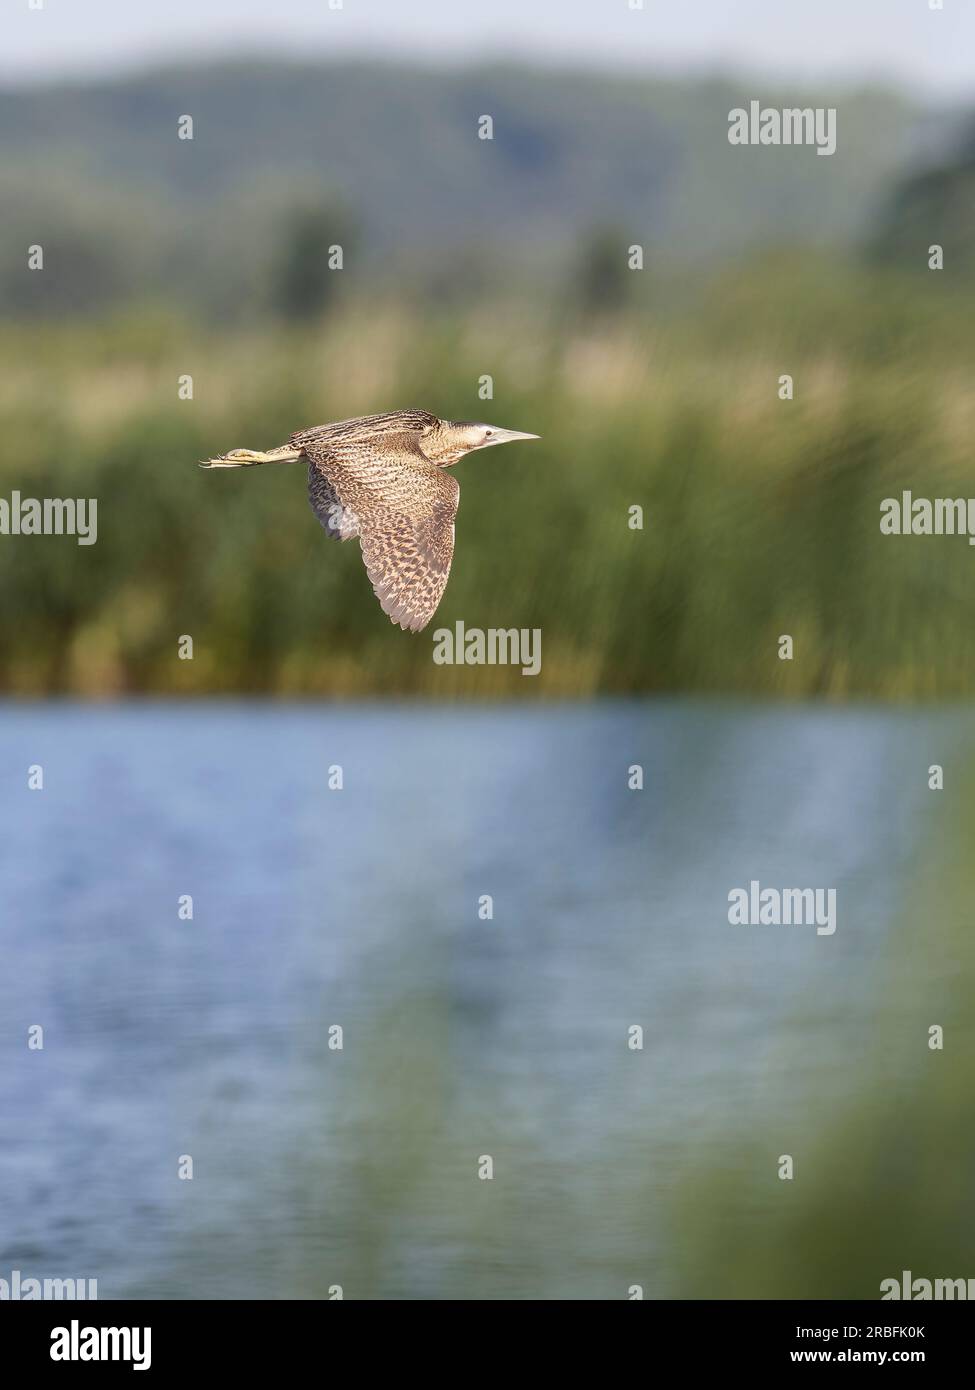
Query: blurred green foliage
x=760 y=516
x=604 y=280
x=881 y=1179
x=312 y=241
x=931 y=205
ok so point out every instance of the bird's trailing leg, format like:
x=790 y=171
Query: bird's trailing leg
x=244 y=458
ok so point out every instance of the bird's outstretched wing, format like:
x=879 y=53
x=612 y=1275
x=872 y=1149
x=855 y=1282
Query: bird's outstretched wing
x=401 y=506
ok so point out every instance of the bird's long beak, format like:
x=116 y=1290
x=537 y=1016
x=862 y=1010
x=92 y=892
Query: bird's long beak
x=508 y=436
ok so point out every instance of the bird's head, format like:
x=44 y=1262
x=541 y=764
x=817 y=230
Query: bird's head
x=452 y=439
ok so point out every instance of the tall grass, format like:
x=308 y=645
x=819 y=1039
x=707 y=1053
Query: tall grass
x=760 y=516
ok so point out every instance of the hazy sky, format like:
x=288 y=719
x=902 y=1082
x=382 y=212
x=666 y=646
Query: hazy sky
x=900 y=39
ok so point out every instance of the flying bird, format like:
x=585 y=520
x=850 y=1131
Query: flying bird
x=382 y=478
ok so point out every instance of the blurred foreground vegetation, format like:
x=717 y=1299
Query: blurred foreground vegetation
x=761 y=516
x=881 y=1180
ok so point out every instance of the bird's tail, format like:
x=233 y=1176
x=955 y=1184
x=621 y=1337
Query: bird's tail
x=245 y=458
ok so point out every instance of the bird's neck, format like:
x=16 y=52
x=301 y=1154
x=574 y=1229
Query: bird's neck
x=442 y=452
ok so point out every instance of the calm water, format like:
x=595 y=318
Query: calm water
x=462 y=1037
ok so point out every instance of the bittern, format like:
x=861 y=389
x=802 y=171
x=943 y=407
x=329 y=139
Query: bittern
x=382 y=478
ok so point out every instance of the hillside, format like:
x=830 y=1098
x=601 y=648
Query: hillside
x=96 y=174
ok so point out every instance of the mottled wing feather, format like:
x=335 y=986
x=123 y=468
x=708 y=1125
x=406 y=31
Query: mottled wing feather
x=373 y=427
x=341 y=523
x=408 y=562
x=403 y=507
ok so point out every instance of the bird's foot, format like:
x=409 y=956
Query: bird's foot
x=237 y=458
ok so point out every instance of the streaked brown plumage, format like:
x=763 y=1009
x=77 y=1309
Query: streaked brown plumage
x=381 y=478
